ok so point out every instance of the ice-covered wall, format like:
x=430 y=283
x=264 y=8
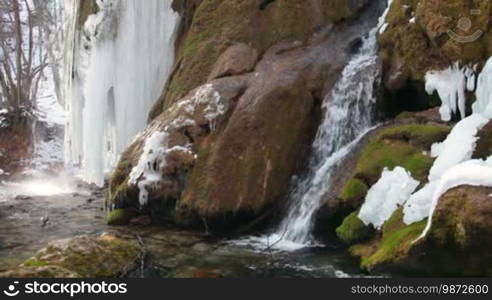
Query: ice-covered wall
x=121 y=60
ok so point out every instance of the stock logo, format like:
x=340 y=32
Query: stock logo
x=11 y=290
x=465 y=24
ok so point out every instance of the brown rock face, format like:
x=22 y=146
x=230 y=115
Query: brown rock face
x=484 y=144
x=461 y=233
x=244 y=154
x=236 y=60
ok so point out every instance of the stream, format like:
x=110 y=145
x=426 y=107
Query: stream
x=34 y=212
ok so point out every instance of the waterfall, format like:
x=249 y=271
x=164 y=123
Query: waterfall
x=117 y=66
x=349 y=114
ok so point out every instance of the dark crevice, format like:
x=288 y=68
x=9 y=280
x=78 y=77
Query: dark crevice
x=264 y=4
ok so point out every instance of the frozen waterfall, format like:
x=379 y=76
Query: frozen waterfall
x=118 y=64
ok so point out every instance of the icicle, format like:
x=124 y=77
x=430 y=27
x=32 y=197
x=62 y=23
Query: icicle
x=121 y=68
x=450 y=84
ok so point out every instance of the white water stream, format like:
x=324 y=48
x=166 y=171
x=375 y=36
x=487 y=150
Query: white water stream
x=349 y=115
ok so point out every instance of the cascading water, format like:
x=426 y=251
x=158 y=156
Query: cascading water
x=349 y=114
x=118 y=65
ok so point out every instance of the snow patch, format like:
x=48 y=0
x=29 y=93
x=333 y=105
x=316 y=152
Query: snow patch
x=458 y=146
x=383 y=199
x=472 y=172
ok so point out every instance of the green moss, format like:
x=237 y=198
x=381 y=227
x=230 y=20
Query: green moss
x=33 y=262
x=353 y=230
x=118 y=183
x=414 y=43
x=121 y=216
x=97 y=262
x=400 y=146
x=394 y=246
x=355 y=189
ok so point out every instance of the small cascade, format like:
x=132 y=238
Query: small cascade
x=349 y=114
x=116 y=68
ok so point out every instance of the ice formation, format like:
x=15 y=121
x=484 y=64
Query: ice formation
x=119 y=65
x=458 y=146
x=472 y=172
x=383 y=199
x=451 y=85
x=149 y=164
x=453 y=166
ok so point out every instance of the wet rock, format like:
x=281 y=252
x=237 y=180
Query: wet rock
x=237 y=59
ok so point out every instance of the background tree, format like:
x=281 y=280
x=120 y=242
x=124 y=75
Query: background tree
x=30 y=37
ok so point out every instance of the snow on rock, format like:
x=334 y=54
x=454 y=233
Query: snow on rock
x=458 y=146
x=418 y=205
x=472 y=172
x=453 y=166
x=149 y=164
x=164 y=150
x=451 y=85
x=383 y=199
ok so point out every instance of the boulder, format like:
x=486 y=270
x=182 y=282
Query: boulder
x=236 y=60
x=457 y=245
x=483 y=148
x=83 y=256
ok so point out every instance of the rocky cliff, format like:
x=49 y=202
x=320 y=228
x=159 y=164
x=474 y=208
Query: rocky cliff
x=240 y=110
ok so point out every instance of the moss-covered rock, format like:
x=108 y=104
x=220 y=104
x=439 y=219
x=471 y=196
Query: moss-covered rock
x=121 y=216
x=457 y=244
x=392 y=247
x=353 y=230
x=419 y=35
x=354 y=190
x=218 y=24
x=83 y=256
x=400 y=145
